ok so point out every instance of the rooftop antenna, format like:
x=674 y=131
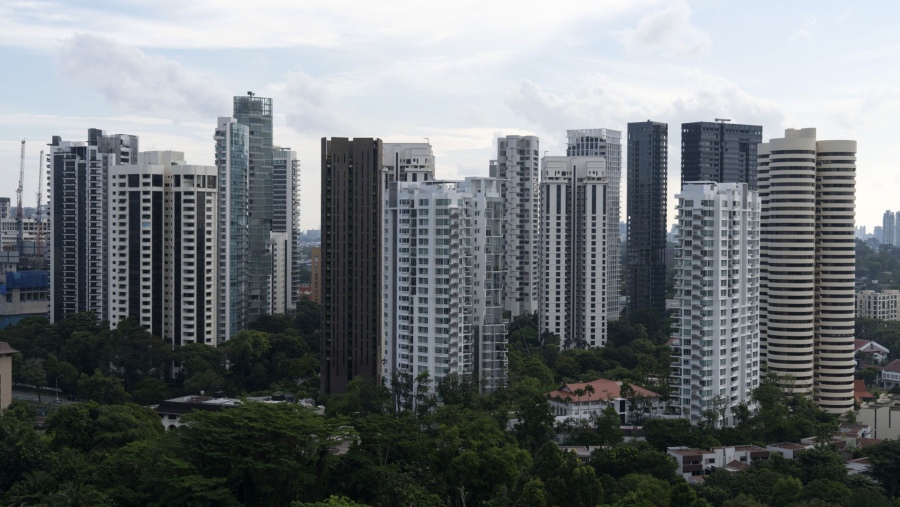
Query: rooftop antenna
x=427 y=139
x=723 y=120
x=251 y=94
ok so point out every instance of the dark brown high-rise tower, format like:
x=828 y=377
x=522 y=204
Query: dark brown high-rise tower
x=352 y=191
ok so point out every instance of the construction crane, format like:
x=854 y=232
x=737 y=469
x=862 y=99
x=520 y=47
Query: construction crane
x=20 y=214
x=39 y=212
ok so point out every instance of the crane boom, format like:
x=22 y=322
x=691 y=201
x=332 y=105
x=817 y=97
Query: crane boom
x=39 y=214
x=20 y=215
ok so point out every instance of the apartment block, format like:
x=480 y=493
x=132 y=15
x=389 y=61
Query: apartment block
x=78 y=212
x=162 y=248
x=606 y=143
x=882 y=305
x=407 y=162
x=716 y=348
x=443 y=281
x=807 y=189
x=573 y=250
x=517 y=164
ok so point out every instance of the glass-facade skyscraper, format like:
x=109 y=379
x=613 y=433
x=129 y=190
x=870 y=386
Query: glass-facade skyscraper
x=233 y=162
x=256 y=114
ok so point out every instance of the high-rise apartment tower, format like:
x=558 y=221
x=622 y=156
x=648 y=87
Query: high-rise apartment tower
x=256 y=114
x=573 y=250
x=719 y=151
x=78 y=215
x=807 y=189
x=606 y=143
x=716 y=349
x=517 y=163
x=233 y=227
x=162 y=246
x=646 y=265
x=352 y=228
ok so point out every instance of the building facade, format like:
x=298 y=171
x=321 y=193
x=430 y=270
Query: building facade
x=407 y=162
x=517 y=164
x=233 y=226
x=889 y=228
x=573 y=253
x=286 y=221
x=256 y=114
x=6 y=369
x=443 y=279
x=719 y=151
x=606 y=143
x=162 y=247
x=352 y=225
x=807 y=189
x=78 y=214
x=716 y=348
x=647 y=166
x=315 y=274
x=882 y=305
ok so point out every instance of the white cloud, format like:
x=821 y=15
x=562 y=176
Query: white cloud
x=668 y=31
x=138 y=82
x=311 y=106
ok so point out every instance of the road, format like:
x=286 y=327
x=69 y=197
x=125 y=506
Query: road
x=29 y=395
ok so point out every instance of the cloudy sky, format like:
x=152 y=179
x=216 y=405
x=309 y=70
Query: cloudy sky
x=460 y=73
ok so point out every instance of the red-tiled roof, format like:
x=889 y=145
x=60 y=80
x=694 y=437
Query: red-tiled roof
x=894 y=366
x=860 y=392
x=858 y=344
x=736 y=466
x=603 y=390
x=864 y=442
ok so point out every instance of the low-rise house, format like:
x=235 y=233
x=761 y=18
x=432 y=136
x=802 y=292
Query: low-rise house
x=171 y=411
x=698 y=462
x=861 y=392
x=789 y=450
x=890 y=375
x=582 y=451
x=581 y=400
x=869 y=352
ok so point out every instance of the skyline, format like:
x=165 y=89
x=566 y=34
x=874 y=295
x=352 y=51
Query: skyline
x=482 y=72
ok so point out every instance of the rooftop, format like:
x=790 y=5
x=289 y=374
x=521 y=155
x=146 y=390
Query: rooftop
x=604 y=390
x=893 y=366
x=6 y=350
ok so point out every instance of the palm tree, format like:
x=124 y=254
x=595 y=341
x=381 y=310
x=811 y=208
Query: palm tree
x=578 y=393
x=589 y=390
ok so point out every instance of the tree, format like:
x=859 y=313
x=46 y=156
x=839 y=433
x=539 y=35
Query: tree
x=826 y=490
x=332 y=501
x=533 y=495
x=609 y=426
x=22 y=450
x=634 y=457
x=32 y=373
x=89 y=426
x=823 y=464
x=886 y=465
x=786 y=491
x=103 y=389
x=535 y=421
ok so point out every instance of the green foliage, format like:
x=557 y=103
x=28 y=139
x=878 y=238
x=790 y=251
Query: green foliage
x=886 y=465
x=633 y=458
x=91 y=427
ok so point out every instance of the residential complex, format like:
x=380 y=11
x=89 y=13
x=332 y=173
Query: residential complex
x=719 y=151
x=573 y=254
x=606 y=143
x=233 y=226
x=882 y=305
x=807 y=190
x=78 y=214
x=647 y=169
x=716 y=349
x=517 y=164
x=352 y=225
x=162 y=244
x=443 y=281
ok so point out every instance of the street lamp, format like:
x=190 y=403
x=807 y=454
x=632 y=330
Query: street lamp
x=57 y=388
